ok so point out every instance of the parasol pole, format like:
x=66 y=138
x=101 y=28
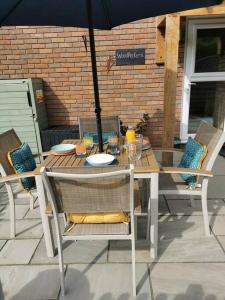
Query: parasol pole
x=94 y=73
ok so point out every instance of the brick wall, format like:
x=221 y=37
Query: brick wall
x=59 y=57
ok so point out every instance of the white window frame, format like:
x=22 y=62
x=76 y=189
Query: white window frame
x=192 y=25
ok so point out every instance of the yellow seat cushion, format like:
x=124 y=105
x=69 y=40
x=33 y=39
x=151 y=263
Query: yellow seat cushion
x=97 y=218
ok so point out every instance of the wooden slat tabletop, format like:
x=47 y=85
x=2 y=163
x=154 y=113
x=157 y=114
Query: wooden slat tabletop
x=147 y=163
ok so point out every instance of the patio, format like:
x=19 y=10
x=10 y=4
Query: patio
x=189 y=266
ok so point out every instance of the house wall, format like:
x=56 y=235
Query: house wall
x=58 y=56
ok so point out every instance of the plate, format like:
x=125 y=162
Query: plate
x=63 y=148
x=100 y=159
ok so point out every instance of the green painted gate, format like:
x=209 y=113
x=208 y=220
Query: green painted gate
x=22 y=107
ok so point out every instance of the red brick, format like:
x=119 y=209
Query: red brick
x=58 y=55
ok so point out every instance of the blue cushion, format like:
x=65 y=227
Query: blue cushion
x=192 y=158
x=22 y=161
x=105 y=136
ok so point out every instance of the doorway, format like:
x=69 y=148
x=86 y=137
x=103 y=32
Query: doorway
x=204 y=75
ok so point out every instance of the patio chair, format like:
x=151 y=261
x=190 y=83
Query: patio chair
x=109 y=123
x=9 y=141
x=171 y=183
x=91 y=190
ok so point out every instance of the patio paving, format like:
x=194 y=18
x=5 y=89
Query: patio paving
x=190 y=266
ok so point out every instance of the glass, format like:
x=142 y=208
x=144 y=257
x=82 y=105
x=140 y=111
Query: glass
x=206 y=104
x=210 y=50
x=130 y=134
x=80 y=149
x=88 y=141
x=135 y=148
x=113 y=145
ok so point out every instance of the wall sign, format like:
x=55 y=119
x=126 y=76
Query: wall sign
x=40 y=96
x=130 y=56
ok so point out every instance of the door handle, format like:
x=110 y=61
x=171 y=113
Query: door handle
x=29 y=99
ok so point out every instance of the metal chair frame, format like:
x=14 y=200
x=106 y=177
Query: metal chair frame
x=109 y=123
x=48 y=176
x=9 y=141
x=214 y=139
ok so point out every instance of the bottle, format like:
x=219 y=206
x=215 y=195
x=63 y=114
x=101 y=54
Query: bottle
x=130 y=134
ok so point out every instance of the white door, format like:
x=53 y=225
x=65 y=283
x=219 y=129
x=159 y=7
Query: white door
x=204 y=75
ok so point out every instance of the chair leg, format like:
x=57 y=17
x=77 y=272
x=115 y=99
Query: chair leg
x=205 y=213
x=133 y=267
x=154 y=216
x=65 y=219
x=31 y=201
x=192 y=198
x=61 y=264
x=135 y=226
x=61 y=267
x=12 y=212
x=62 y=281
x=12 y=219
x=60 y=254
x=148 y=222
x=149 y=216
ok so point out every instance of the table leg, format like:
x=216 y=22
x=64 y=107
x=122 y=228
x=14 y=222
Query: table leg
x=48 y=236
x=154 y=215
x=148 y=194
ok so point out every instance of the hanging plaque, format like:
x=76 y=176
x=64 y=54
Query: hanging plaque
x=130 y=56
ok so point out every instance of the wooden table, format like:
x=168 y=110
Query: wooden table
x=146 y=168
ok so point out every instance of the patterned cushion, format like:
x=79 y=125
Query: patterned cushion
x=105 y=136
x=192 y=158
x=22 y=161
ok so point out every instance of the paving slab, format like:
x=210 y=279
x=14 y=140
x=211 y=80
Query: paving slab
x=221 y=240
x=29 y=282
x=21 y=211
x=106 y=282
x=33 y=213
x=2 y=243
x=171 y=227
x=141 y=227
x=219 y=166
x=22 y=200
x=216 y=188
x=163 y=207
x=4 y=199
x=178 y=207
x=217 y=224
x=120 y=251
x=198 y=281
x=174 y=250
x=177 y=197
x=74 y=252
x=24 y=229
x=187 y=250
x=179 y=227
x=17 y=252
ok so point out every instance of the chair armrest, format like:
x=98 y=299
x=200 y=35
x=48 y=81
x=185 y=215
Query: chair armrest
x=13 y=177
x=174 y=170
x=168 y=150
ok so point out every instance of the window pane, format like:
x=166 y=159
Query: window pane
x=210 y=50
x=207 y=103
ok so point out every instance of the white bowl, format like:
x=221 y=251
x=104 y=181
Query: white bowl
x=62 y=148
x=100 y=159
